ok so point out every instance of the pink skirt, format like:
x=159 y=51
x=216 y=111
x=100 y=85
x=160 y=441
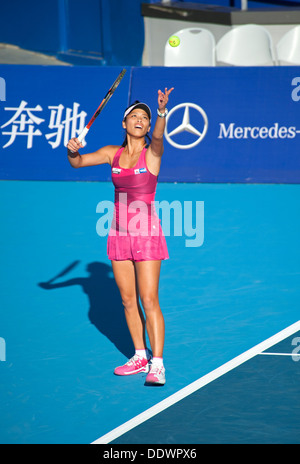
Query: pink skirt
x=137 y=248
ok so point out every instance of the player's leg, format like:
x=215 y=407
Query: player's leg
x=148 y=281
x=125 y=277
x=148 y=273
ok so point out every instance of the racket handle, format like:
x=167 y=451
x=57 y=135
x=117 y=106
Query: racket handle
x=82 y=134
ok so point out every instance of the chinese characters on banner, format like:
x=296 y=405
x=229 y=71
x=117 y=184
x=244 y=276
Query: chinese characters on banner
x=62 y=124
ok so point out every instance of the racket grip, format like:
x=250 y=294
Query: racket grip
x=82 y=134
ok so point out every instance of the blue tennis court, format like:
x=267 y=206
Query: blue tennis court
x=63 y=327
x=254 y=403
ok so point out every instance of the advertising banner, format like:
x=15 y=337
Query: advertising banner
x=42 y=107
x=225 y=124
x=228 y=124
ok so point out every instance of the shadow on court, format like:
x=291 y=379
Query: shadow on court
x=105 y=305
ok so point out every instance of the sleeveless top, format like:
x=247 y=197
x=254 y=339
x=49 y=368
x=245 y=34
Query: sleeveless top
x=135 y=190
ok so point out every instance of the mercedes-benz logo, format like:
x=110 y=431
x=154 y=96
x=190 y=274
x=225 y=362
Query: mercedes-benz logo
x=186 y=126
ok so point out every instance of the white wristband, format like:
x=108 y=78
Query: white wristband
x=162 y=115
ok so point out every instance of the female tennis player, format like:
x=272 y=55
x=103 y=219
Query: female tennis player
x=136 y=244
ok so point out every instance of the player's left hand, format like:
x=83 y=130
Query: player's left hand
x=163 y=99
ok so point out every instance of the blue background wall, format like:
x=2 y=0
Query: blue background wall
x=82 y=32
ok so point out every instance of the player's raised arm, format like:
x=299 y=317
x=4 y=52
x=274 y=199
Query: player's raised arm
x=159 y=128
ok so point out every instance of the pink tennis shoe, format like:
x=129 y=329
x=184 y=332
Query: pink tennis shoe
x=156 y=375
x=135 y=365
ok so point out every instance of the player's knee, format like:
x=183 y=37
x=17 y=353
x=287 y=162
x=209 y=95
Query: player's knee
x=149 y=303
x=129 y=302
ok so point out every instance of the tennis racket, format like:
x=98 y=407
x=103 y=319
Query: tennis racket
x=64 y=271
x=102 y=105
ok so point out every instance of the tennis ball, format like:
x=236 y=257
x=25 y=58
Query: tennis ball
x=174 y=41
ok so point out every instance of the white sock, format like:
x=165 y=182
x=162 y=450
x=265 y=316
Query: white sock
x=142 y=353
x=157 y=361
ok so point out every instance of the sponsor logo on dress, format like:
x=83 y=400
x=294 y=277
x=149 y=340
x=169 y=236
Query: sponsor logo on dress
x=140 y=171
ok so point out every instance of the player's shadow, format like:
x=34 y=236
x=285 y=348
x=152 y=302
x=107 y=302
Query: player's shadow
x=105 y=311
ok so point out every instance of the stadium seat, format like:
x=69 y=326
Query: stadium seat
x=288 y=48
x=248 y=45
x=196 y=48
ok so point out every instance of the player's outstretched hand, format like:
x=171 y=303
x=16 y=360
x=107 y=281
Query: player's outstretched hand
x=163 y=98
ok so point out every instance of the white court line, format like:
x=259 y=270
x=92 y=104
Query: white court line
x=189 y=389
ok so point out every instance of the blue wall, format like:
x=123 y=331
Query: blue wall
x=93 y=32
x=245 y=121
x=30 y=24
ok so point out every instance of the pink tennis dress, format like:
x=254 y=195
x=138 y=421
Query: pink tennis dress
x=135 y=233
